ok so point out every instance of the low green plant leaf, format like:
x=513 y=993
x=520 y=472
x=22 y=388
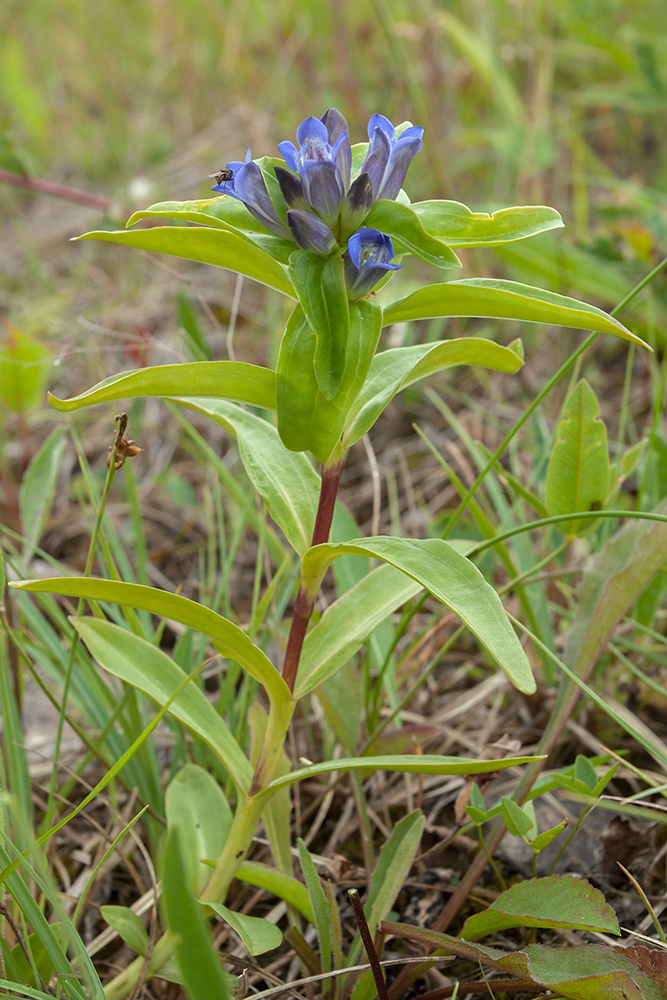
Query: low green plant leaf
x=520 y=820
x=218 y=379
x=144 y=666
x=394 y=863
x=196 y=804
x=404 y=226
x=286 y=480
x=219 y=247
x=450 y=577
x=227 y=637
x=584 y=972
x=127 y=924
x=196 y=957
x=25 y=366
x=320 y=284
x=455 y=224
x=38 y=489
x=496 y=299
x=348 y=622
x=306 y=419
x=399 y=367
x=554 y=901
x=543 y=840
x=578 y=470
x=279 y=883
x=258 y=935
x=319 y=904
x=406 y=764
x=585 y=772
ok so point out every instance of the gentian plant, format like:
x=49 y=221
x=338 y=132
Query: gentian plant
x=326 y=226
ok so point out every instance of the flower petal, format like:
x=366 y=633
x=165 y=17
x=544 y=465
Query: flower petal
x=356 y=204
x=291 y=187
x=323 y=189
x=250 y=187
x=339 y=138
x=367 y=261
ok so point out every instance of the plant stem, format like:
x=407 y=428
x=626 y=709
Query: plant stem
x=305 y=601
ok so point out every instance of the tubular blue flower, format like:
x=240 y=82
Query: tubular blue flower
x=247 y=185
x=367 y=261
x=389 y=155
x=324 y=207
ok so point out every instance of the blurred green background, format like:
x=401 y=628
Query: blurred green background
x=137 y=101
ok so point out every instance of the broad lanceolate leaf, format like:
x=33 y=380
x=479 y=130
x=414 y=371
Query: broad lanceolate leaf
x=196 y=804
x=554 y=901
x=578 y=471
x=319 y=905
x=585 y=972
x=307 y=420
x=285 y=479
x=222 y=213
x=348 y=622
x=404 y=763
x=38 y=489
x=219 y=379
x=258 y=935
x=400 y=367
x=496 y=299
x=219 y=247
x=145 y=667
x=456 y=225
x=197 y=959
x=227 y=637
x=451 y=578
x=406 y=230
x=320 y=284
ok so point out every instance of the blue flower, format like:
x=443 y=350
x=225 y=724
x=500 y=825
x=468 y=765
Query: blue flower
x=247 y=185
x=389 y=155
x=322 y=206
x=367 y=261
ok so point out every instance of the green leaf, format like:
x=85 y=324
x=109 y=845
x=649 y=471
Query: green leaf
x=127 y=924
x=396 y=369
x=188 y=322
x=219 y=247
x=306 y=419
x=258 y=935
x=320 y=284
x=394 y=863
x=578 y=470
x=520 y=820
x=585 y=772
x=285 y=480
x=196 y=804
x=25 y=366
x=405 y=763
x=543 y=840
x=223 y=379
x=227 y=638
x=348 y=622
x=196 y=957
x=404 y=226
x=456 y=225
x=38 y=489
x=144 y=666
x=450 y=577
x=495 y=299
x=279 y=883
x=319 y=904
x=584 y=972
x=223 y=213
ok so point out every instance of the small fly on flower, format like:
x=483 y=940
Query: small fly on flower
x=222 y=175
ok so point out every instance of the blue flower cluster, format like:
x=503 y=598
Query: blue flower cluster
x=324 y=206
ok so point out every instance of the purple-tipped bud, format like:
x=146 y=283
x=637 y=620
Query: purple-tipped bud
x=356 y=204
x=367 y=261
x=310 y=233
x=339 y=138
x=290 y=187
